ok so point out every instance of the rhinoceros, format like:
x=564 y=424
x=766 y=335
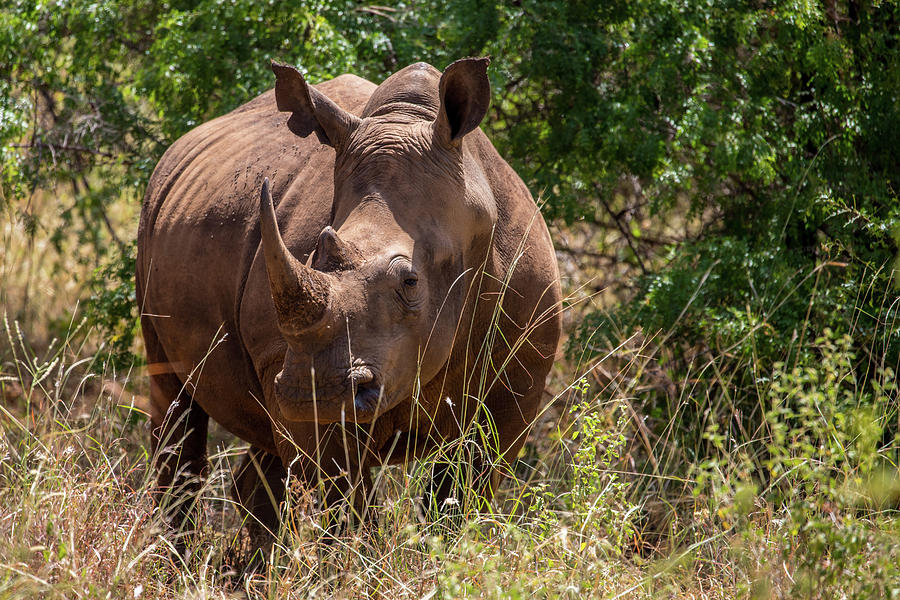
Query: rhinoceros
x=403 y=288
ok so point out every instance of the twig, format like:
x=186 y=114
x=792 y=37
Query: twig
x=102 y=211
x=66 y=148
x=378 y=11
x=621 y=228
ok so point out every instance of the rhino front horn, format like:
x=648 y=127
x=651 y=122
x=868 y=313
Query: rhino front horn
x=301 y=294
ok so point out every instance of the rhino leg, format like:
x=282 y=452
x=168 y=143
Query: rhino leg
x=179 y=448
x=467 y=473
x=511 y=415
x=457 y=487
x=259 y=484
x=179 y=430
x=330 y=473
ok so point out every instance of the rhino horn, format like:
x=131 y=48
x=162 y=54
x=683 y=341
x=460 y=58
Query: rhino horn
x=333 y=253
x=301 y=294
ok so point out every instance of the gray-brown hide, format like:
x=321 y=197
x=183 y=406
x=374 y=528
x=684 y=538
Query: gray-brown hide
x=398 y=228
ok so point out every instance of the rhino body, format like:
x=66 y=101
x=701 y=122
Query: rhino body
x=404 y=287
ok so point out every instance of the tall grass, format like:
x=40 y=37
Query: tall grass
x=76 y=519
x=602 y=503
x=597 y=507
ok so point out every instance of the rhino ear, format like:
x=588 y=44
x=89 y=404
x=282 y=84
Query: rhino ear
x=312 y=110
x=465 y=94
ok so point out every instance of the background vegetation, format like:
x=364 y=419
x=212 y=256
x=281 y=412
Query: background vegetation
x=722 y=183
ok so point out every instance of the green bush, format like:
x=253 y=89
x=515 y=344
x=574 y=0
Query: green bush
x=778 y=152
x=823 y=493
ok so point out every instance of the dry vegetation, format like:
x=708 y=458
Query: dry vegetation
x=76 y=520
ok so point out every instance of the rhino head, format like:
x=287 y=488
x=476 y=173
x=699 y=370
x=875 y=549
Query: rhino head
x=375 y=309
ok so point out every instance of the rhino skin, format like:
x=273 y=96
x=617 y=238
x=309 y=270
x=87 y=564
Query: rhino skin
x=356 y=322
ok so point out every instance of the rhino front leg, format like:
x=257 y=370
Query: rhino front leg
x=460 y=483
x=333 y=476
x=467 y=472
x=259 y=487
x=178 y=440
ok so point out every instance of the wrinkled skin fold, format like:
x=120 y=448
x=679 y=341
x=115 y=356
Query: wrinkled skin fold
x=345 y=273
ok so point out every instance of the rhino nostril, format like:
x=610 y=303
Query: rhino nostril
x=367 y=396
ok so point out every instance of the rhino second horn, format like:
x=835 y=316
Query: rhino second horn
x=333 y=253
x=300 y=293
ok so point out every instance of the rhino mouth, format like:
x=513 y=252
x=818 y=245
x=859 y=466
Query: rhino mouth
x=330 y=401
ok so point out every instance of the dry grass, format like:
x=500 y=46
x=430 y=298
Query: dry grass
x=76 y=520
x=45 y=269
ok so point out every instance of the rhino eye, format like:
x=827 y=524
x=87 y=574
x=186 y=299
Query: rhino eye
x=411 y=281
